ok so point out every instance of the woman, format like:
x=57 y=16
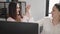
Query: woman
x=14 y=10
x=52 y=26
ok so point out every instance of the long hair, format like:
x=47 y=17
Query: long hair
x=12 y=11
x=14 y=0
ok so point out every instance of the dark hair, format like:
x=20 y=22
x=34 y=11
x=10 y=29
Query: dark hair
x=12 y=10
x=14 y=0
x=58 y=6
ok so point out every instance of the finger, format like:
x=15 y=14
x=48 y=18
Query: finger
x=28 y=6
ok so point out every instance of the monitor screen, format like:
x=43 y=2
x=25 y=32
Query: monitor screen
x=18 y=28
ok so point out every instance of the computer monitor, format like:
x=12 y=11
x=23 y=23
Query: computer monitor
x=18 y=28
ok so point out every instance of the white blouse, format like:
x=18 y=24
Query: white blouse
x=10 y=19
x=25 y=19
x=48 y=27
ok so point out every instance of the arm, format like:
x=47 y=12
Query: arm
x=41 y=25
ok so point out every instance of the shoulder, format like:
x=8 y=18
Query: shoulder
x=10 y=19
x=44 y=20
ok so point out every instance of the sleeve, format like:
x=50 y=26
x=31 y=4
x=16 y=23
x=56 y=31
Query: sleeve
x=40 y=22
x=31 y=19
x=41 y=25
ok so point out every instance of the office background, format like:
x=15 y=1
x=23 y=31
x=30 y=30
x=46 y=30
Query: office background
x=38 y=8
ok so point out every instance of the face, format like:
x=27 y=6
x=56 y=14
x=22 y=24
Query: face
x=18 y=8
x=55 y=12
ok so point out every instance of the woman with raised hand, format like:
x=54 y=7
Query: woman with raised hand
x=15 y=13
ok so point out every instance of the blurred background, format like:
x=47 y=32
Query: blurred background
x=39 y=8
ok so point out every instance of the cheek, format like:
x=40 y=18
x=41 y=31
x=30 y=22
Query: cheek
x=54 y=14
x=17 y=11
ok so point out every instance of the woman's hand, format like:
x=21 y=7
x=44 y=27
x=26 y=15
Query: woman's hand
x=28 y=8
x=28 y=11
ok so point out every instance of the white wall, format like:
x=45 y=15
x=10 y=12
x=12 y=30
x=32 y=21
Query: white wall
x=38 y=8
x=59 y=1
